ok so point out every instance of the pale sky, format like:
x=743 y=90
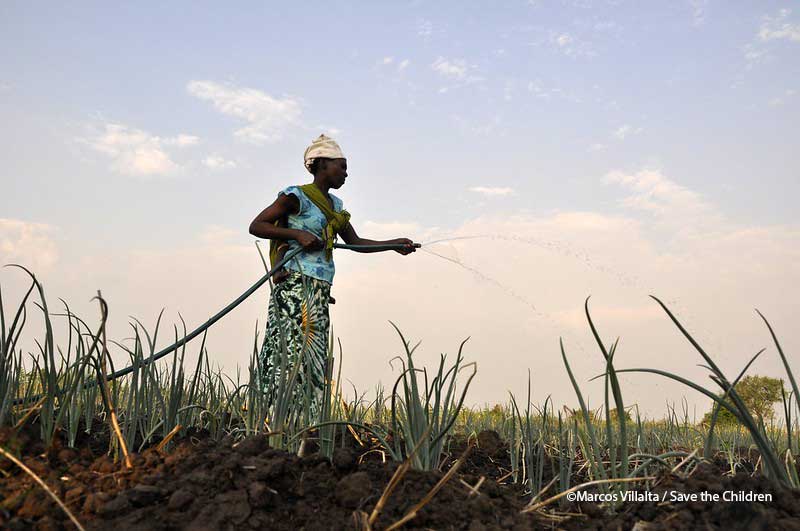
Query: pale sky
x=614 y=149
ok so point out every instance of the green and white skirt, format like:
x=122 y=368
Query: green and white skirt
x=298 y=310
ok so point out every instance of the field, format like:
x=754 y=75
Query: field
x=162 y=446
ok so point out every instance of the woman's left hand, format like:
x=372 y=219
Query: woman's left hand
x=408 y=246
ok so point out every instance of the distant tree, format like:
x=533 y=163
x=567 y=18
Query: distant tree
x=759 y=394
x=613 y=415
x=724 y=417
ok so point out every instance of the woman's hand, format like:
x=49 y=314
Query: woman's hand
x=308 y=241
x=408 y=246
x=280 y=276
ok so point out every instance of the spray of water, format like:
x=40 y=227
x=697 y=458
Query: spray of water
x=564 y=249
x=489 y=279
x=508 y=290
x=559 y=247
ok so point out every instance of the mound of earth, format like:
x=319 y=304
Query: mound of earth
x=203 y=485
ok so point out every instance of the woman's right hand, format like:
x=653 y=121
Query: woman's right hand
x=308 y=241
x=280 y=276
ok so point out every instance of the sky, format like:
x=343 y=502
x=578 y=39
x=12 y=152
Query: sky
x=616 y=149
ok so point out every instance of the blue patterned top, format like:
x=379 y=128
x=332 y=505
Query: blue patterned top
x=311 y=219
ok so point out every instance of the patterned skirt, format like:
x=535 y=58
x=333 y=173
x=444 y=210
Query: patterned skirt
x=298 y=309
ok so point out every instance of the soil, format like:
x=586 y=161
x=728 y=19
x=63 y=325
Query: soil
x=201 y=484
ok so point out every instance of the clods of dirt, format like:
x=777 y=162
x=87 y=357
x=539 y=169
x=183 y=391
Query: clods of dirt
x=203 y=485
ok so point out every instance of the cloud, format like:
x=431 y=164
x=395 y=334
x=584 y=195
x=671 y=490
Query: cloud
x=597 y=147
x=28 y=244
x=182 y=141
x=457 y=71
x=268 y=117
x=215 y=162
x=624 y=131
x=564 y=40
x=453 y=69
x=699 y=11
x=136 y=152
x=753 y=55
x=773 y=28
x=781 y=100
x=388 y=62
x=673 y=206
x=490 y=126
x=571 y=45
x=489 y=191
x=541 y=91
x=424 y=28
x=779 y=27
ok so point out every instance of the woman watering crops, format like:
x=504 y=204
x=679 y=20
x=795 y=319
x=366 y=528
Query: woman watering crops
x=307 y=217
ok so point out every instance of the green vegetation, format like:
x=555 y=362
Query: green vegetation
x=612 y=445
x=759 y=394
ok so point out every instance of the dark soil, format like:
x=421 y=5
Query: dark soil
x=201 y=484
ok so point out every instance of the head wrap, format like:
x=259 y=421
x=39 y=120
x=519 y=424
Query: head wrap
x=322 y=147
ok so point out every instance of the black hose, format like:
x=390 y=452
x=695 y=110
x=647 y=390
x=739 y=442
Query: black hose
x=220 y=314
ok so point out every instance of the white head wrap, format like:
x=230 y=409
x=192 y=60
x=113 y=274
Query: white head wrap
x=322 y=147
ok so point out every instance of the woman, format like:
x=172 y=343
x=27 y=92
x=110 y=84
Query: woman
x=307 y=217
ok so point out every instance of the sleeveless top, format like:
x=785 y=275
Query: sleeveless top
x=310 y=219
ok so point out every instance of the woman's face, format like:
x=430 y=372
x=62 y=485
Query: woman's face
x=337 y=172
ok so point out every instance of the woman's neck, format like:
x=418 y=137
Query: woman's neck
x=321 y=184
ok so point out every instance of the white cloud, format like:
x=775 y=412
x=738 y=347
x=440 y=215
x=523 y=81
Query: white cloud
x=537 y=90
x=625 y=130
x=424 y=28
x=182 y=141
x=564 y=39
x=781 y=100
x=753 y=55
x=215 y=162
x=541 y=91
x=508 y=90
x=390 y=62
x=699 y=11
x=28 y=244
x=489 y=126
x=454 y=69
x=672 y=204
x=490 y=191
x=571 y=45
x=268 y=117
x=136 y=152
x=597 y=147
x=779 y=27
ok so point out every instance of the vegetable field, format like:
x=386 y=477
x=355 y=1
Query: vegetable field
x=166 y=446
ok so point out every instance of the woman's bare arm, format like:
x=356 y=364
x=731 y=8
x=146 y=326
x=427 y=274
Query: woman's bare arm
x=350 y=236
x=263 y=226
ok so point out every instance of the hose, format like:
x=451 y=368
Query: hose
x=220 y=314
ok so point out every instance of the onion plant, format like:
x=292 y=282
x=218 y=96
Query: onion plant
x=425 y=412
x=773 y=467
